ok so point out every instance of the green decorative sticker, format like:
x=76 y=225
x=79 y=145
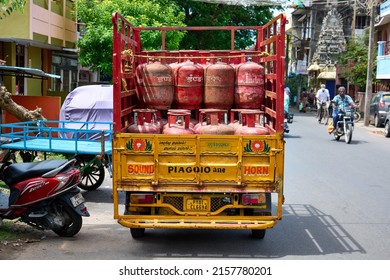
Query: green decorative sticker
x=256 y=147
x=140 y=145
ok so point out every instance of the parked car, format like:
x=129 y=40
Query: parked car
x=387 y=125
x=90 y=103
x=379 y=106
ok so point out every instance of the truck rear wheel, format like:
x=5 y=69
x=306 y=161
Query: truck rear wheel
x=137 y=232
x=258 y=233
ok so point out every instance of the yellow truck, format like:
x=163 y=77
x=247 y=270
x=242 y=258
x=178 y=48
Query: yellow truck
x=197 y=180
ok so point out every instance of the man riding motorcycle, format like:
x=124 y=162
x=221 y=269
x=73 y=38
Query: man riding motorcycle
x=342 y=101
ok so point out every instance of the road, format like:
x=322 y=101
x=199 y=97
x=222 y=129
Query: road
x=336 y=208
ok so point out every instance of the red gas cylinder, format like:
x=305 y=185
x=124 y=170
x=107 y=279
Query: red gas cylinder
x=251 y=124
x=193 y=121
x=215 y=123
x=219 y=86
x=204 y=118
x=249 y=91
x=235 y=118
x=178 y=123
x=144 y=122
x=158 y=82
x=140 y=88
x=188 y=86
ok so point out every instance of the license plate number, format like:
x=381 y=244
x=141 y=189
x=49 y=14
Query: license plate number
x=77 y=199
x=197 y=205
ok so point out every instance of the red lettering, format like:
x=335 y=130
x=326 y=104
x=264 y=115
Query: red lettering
x=256 y=170
x=140 y=169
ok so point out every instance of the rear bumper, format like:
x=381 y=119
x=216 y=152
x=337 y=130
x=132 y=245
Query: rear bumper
x=198 y=223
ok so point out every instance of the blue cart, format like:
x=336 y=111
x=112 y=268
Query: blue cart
x=89 y=142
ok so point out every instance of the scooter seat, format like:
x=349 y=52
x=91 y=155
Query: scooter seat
x=18 y=172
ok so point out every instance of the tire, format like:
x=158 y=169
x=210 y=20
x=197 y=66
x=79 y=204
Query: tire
x=73 y=221
x=387 y=129
x=258 y=233
x=376 y=121
x=356 y=116
x=137 y=232
x=348 y=134
x=93 y=175
x=326 y=117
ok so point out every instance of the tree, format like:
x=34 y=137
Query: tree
x=96 y=43
x=353 y=62
x=20 y=112
x=9 y=6
x=198 y=13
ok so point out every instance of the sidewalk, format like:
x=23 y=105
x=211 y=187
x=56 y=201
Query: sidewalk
x=371 y=128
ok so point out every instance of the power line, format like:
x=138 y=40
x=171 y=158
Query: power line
x=246 y=2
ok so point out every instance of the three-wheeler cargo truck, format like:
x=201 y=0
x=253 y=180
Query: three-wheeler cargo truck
x=203 y=179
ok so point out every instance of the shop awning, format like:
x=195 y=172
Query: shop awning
x=6 y=70
x=313 y=67
x=327 y=76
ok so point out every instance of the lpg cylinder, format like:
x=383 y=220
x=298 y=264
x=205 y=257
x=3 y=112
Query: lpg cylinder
x=215 y=124
x=158 y=84
x=219 y=86
x=235 y=118
x=204 y=118
x=178 y=123
x=188 y=86
x=249 y=91
x=251 y=124
x=144 y=122
x=140 y=89
x=193 y=121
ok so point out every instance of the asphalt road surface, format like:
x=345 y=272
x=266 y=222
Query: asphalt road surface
x=336 y=208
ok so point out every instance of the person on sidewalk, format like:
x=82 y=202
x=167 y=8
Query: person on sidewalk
x=303 y=105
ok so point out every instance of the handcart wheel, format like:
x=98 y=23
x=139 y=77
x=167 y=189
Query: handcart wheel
x=92 y=170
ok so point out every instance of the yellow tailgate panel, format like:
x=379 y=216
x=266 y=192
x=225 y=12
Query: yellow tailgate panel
x=195 y=159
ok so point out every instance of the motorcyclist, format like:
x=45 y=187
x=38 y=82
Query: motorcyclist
x=341 y=101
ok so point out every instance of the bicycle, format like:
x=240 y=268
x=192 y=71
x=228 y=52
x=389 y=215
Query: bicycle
x=323 y=113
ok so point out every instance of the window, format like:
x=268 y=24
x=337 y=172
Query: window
x=66 y=67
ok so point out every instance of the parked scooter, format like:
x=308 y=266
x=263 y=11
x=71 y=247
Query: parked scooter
x=7 y=156
x=44 y=194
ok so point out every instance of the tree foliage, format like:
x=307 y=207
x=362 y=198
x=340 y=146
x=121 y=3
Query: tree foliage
x=96 y=44
x=9 y=6
x=353 y=62
x=208 y=14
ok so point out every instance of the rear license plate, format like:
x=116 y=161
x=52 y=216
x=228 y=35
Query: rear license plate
x=77 y=199
x=197 y=205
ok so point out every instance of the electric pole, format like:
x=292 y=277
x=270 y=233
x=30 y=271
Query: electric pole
x=369 y=66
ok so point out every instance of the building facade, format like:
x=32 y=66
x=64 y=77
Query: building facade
x=383 y=40
x=44 y=37
x=319 y=30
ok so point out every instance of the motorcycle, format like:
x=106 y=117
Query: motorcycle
x=344 y=126
x=44 y=195
x=288 y=118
